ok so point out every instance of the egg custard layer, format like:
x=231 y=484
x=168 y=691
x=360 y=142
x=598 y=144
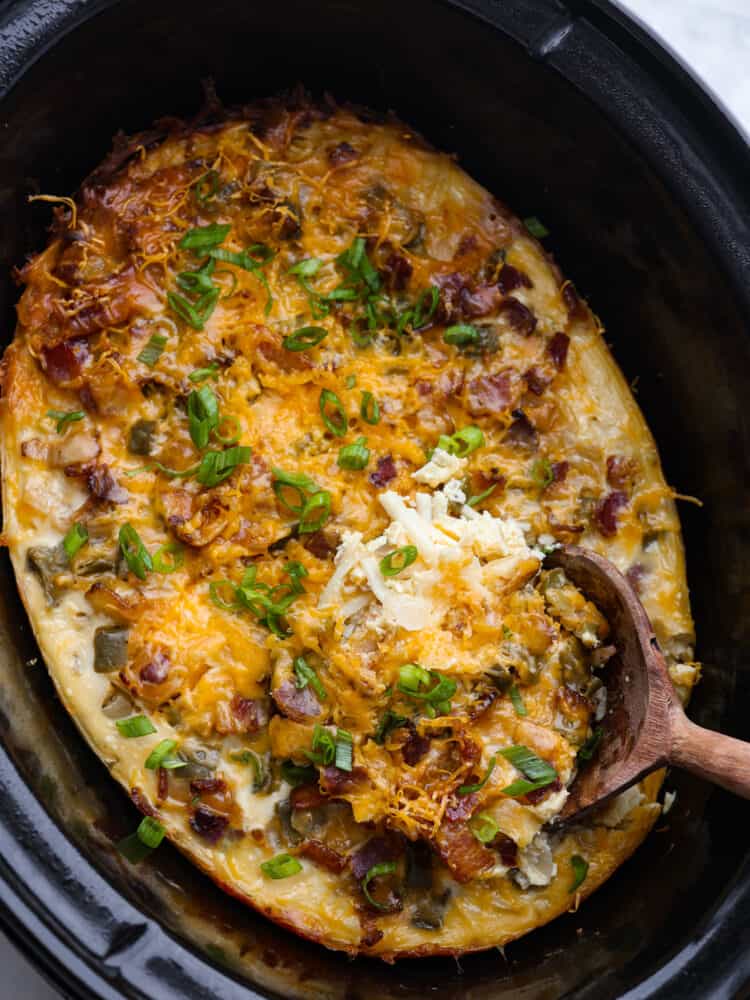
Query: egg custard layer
x=293 y=413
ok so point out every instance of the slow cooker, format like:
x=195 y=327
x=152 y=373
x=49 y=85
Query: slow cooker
x=571 y=112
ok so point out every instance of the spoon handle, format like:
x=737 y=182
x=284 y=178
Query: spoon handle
x=720 y=759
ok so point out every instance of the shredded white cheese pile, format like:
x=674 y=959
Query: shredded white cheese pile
x=477 y=551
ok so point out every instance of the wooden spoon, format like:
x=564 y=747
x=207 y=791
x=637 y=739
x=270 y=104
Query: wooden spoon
x=645 y=727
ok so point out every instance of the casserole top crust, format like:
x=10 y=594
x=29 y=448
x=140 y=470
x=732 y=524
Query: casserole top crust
x=294 y=410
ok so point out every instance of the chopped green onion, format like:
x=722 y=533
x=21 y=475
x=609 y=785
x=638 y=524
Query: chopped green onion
x=383 y=868
x=204 y=238
x=522 y=787
x=203 y=415
x=461 y=334
x=296 y=774
x=160 y=757
x=412 y=678
x=206 y=186
x=337 y=421
x=195 y=313
x=215 y=588
x=302 y=485
x=541 y=473
x=369 y=409
x=580 y=870
x=153 y=349
x=359 y=337
x=282 y=866
x=354 y=456
x=307 y=268
x=261 y=776
x=306 y=336
x=297 y=572
x=233 y=429
x=463 y=442
x=306 y=675
x=589 y=748
x=75 y=538
x=63 y=419
x=344 y=750
x=201 y=374
x=536 y=227
x=323 y=750
x=216 y=466
x=168 y=557
x=389 y=722
x=473 y=501
x=198 y=282
x=469 y=789
x=395 y=562
x=252 y=259
x=422 y=315
x=136 y=725
x=322 y=501
x=539 y=772
x=486 y=829
x=135 y=552
x=517 y=700
x=140 y=844
x=350 y=381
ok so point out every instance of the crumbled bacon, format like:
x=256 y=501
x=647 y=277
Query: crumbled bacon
x=208 y=824
x=415 y=748
x=519 y=316
x=479 y=300
x=507 y=849
x=374 y=852
x=64 y=361
x=207 y=786
x=537 y=380
x=635 y=575
x=385 y=471
x=572 y=301
x=621 y=472
x=557 y=349
x=397 y=270
x=249 y=714
x=162 y=784
x=307 y=797
x=461 y=807
x=522 y=432
x=141 y=802
x=461 y=851
x=299 y=704
x=467 y=244
x=451 y=286
x=334 y=781
x=102 y=484
x=510 y=278
x=606 y=511
x=539 y=794
x=156 y=670
x=323 y=543
x=323 y=855
x=559 y=471
x=489 y=394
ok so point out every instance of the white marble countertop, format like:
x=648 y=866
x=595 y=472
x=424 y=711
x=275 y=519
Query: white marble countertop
x=713 y=38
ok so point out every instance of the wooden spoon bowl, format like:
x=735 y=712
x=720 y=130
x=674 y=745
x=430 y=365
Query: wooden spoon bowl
x=645 y=727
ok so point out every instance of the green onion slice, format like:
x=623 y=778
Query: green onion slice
x=589 y=748
x=344 y=750
x=323 y=750
x=306 y=336
x=469 y=789
x=383 y=868
x=161 y=756
x=517 y=700
x=75 y=538
x=580 y=868
x=217 y=588
x=466 y=441
x=203 y=415
x=135 y=726
x=536 y=227
x=388 y=723
x=306 y=675
x=473 y=501
x=541 y=473
x=395 y=562
x=135 y=552
x=369 y=409
x=62 y=418
x=350 y=381
x=282 y=866
x=307 y=268
x=336 y=421
x=484 y=828
x=168 y=557
x=539 y=772
x=228 y=430
x=302 y=485
x=216 y=466
x=461 y=334
x=140 y=844
x=354 y=456
x=201 y=239
x=196 y=313
x=153 y=349
x=206 y=186
x=413 y=679
x=201 y=374
x=318 y=502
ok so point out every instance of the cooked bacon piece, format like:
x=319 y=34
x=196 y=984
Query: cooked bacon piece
x=572 y=302
x=489 y=394
x=371 y=933
x=102 y=485
x=207 y=786
x=307 y=797
x=486 y=699
x=334 y=781
x=557 y=349
x=296 y=703
x=141 y=802
x=63 y=362
x=539 y=794
x=575 y=706
x=323 y=855
x=461 y=807
x=537 y=380
x=466 y=244
x=341 y=154
x=449 y=306
x=507 y=849
x=510 y=278
x=606 y=511
x=415 y=748
x=397 y=270
x=461 y=851
x=249 y=714
x=621 y=472
x=478 y=301
x=162 y=779
x=208 y=824
x=522 y=432
x=156 y=670
x=384 y=472
x=323 y=543
x=635 y=575
x=560 y=471
x=374 y=852
x=519 y=316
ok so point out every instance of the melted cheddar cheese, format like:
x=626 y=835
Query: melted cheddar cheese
x=293 y=413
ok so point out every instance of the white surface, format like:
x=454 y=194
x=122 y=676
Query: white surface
x=713 y=36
